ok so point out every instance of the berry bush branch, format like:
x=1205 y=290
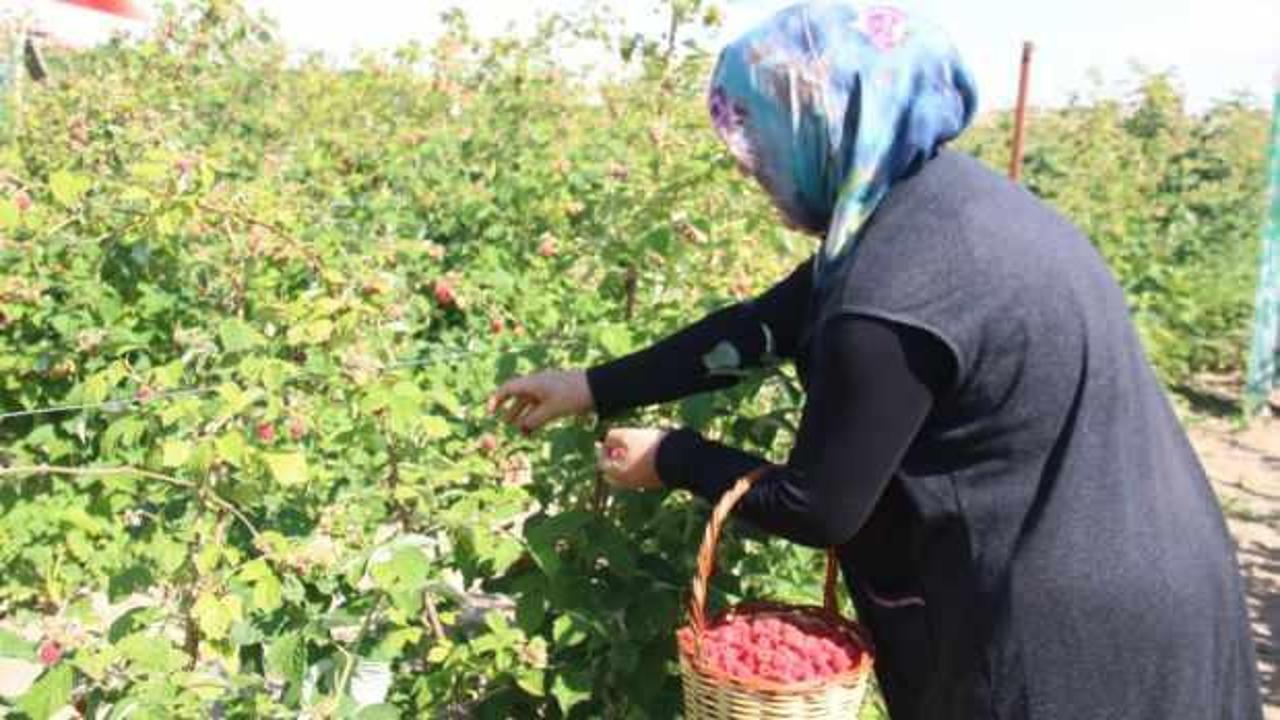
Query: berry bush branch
x=219 y=501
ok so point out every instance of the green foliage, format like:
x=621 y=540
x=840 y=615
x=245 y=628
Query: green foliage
x=247 y=260
x=1173 y=201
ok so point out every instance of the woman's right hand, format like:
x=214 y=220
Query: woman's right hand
x=537 y=399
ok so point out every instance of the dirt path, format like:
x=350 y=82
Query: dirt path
x=1245 y=467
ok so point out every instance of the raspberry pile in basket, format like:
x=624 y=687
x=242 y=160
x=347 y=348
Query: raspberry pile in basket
x=769 y=647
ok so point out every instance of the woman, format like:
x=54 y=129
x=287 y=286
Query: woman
x=1023 y=525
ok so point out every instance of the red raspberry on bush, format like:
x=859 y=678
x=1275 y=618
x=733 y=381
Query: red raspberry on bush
x=50 y=653
x=444 y=293
x=266 y=432
x=22 y=200
x=496 y=326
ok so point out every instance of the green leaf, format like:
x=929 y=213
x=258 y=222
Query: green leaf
x=531 y=610
x=10 y=216
x=230 y=447
x=214 y=615
x=568 y=631
x=286 y=657
x=531 y=681
x=128 y=623
x=390 y=647
x=207 y=558
x=404 y=571
x=169 y=554
x=570 y=689
x=268 y=595
x=150 y=171
x=238 y=336
x=150 y=653
x=404 y=405
x=447 y=400
x=310 y=333
x=438 y=653
x=435 y=427
x=615 y=339
x=288 y=468
x=122 y=433
x=175 y=453
x=244 y=634
x=697 y=411
x=13 y=646
x=67 y=188
x=51 y=693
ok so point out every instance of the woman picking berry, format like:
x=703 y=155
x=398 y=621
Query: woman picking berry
x=1024 y=527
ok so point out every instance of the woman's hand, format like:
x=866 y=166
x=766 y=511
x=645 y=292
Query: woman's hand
x=629 y=458
x=537 y=399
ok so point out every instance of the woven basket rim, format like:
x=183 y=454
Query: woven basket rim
x=857 y=673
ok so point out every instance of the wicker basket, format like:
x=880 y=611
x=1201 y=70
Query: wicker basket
x=710 y=694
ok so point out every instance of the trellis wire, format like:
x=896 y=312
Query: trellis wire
x=122 y=404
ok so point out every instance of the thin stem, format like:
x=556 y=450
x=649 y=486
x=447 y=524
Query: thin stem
x=214 y=498
x=432 y=615
x=350 y=664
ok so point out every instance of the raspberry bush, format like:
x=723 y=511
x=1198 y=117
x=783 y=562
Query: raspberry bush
x=270 y=298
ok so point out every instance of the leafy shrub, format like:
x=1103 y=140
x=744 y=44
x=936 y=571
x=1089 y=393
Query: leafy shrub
x=283 y=292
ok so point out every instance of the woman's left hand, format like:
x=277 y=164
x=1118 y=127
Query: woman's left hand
x=629 y=458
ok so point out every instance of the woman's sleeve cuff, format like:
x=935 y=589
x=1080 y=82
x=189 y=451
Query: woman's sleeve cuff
x=606 y=384
x=674 y=457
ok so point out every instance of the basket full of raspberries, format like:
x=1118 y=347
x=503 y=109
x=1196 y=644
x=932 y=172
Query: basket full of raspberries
x=768 y=660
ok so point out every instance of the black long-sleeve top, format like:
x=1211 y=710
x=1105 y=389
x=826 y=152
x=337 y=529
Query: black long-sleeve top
x=1049 y=529
x=869 y=388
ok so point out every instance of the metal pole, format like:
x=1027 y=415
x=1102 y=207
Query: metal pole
x=1264 y=355
x=1020 y=114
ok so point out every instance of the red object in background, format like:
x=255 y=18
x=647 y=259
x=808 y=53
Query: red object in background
x=123 y=8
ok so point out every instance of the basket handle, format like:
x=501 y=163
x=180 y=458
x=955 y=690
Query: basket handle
x=711 y=538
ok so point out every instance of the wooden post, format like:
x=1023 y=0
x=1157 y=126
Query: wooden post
x=34 y=60
x=1020 y=114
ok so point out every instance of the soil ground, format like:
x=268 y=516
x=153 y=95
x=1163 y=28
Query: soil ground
x=1244 y=464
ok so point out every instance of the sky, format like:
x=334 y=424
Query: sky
x=1214 y=48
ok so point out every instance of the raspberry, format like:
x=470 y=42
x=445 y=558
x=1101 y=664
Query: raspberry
x=773 y=649
x=266 y=433
x=444 y=293
x=50 y=653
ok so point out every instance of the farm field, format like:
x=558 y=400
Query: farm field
x=251 y=309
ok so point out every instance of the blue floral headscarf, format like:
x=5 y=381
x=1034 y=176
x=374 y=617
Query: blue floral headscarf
x=828 y=104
